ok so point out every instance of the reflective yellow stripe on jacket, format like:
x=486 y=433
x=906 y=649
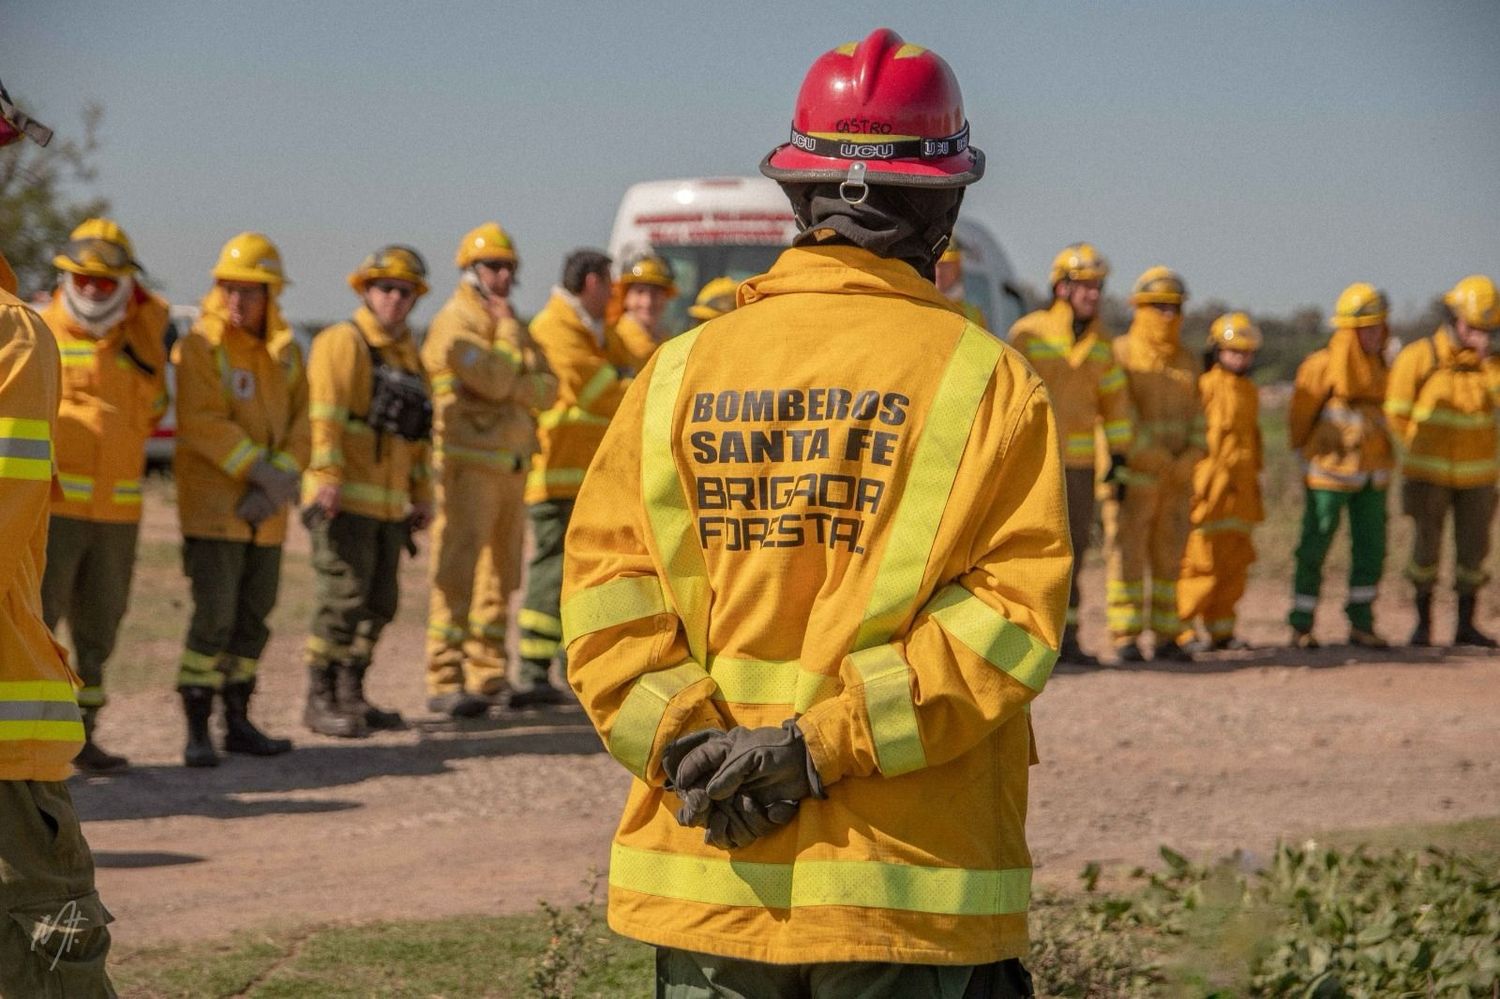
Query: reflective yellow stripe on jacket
x=25 y=449
x=887 y=677
x=39 y=711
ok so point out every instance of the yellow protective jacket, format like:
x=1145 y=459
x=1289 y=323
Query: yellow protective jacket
x=841 y=501
x=114 y=392
x=40 y=727
x=589 y=390
x=340 y=377
x=240 y=398
x=629 y=345
x=1337 y=419
x=1442 y=402
x=1087 y=387
x=1161 y=379
x=487 y=378
x=1226 y=483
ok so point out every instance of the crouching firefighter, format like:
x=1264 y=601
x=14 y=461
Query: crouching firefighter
x=242 y=441
x=368 y=487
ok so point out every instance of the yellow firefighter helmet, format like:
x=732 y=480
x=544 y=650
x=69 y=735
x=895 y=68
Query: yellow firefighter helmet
x=487 y=242
x=100 y=248
x=715 y=298
x=1476 y=301
x=1234 y=331
x=650 y=269
x=250 y=257
x=1360 y=304
x=1159 y=286
x=1078 y=262
x=394 y=261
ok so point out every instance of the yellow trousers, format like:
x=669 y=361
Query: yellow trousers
x=1214 y=569
x=1150 y=536
x=476 y=565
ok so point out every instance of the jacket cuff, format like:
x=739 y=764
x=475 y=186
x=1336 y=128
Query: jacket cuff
x=829 y=730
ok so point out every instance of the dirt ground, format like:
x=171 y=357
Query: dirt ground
x=490 y=815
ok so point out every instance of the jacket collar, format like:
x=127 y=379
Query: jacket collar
x=377 y=334
x=574 y=314
x=843 y=270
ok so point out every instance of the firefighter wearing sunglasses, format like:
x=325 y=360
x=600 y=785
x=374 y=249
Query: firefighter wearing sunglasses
x=368 y=487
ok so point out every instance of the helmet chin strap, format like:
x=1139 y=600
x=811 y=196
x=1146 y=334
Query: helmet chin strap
x=471 y=278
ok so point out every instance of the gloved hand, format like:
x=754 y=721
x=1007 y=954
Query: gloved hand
x=281 y=485
x=695 y=800
x=743 y=817
x=771 y=762
x=736 y=820
x=256 y=506
x=1116 y=475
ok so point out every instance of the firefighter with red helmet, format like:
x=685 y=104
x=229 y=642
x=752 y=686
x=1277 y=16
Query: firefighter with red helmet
x=801 y=655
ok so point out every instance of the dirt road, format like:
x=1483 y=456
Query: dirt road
x=488 y=816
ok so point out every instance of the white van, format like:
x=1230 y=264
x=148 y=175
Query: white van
x=736 y=226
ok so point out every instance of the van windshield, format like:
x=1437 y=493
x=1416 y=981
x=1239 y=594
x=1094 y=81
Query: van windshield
x=695 y=266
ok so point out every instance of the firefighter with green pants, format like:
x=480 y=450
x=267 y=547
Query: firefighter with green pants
x=1337 y=421
x=587 y=359
x=111 y=333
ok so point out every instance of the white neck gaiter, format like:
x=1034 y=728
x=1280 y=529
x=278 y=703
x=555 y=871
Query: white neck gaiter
x=98 y=317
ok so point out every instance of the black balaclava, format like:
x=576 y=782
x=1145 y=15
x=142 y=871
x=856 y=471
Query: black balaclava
x=911 y=224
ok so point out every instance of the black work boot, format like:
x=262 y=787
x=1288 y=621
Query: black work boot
x=240 y=734
x=349 y=692
x=539 y=695
x=91 y=759
x=1468 y=633
x=458 y=704
x=1422 y=636
x=1169 y=651
x=322 y=713
x=198 y=705
x=1071 y=652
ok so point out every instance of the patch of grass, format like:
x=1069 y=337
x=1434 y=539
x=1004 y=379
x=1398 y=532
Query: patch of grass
x=1318 y=921
x=460 y=957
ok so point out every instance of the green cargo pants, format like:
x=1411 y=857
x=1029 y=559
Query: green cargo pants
x=87 y=584
x=357 y=560
x=234 y=586
x=54 y=931
x=1427 y=504
x=540 y=619
x=682 y=974
x=1320 y=521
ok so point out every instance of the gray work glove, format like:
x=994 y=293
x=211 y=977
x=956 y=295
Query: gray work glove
x=770 y=763
x=282 y=486
x=1115 y=477
x=743 y=818
x=256 y=506
x=735 y=821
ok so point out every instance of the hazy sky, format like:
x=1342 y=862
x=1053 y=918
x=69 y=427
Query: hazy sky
x=1272 y=152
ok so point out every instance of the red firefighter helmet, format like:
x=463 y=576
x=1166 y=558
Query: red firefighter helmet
x=881 y=112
